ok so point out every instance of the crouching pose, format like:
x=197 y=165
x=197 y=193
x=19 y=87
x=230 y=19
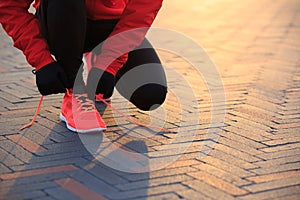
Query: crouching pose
x=61 y=32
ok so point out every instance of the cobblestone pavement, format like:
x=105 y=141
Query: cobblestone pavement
x=255 y=153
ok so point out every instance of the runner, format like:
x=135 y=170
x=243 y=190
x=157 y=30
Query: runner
x=55 y=39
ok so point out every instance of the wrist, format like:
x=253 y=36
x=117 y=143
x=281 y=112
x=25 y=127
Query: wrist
x=44 y=63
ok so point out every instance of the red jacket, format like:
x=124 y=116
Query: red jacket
x=24 y=29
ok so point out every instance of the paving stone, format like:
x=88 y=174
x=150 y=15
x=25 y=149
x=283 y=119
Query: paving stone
x=109 y=175
x=92 y=182
x=60 y=193
x=28 y=180
x=182 y=163
x=253 y=135
x=285 y=135
x=278 y=161
x=238 y=145
x=281 y=147
x=233 y=160
x=207 y=190
x=34 y=187
x=275 y=176
x=26 y=195
x=57 y=157
x=282 y=141
x=273 y=184
x=250 y=124
x=243 y=140
x=192 y=194
x=232 y=178
x=160 y=173
x=238 y=153
x=54 y=163
x=274 y=168
x=45 y=198
x=8 y=159
x=144 y=192
x=279 y=154
x=218 y=183
x=170 y=196
x=35 y=172
x=225 y=166
x=78 y=189
x=4 y=169
x=26 y=143
x=154 y=182
x=291 y=197
x=253 y=155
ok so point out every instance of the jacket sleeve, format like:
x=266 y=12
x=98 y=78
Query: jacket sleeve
x=24 y=29
x=129 y=33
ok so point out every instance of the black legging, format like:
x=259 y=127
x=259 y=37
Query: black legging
x=69 y=34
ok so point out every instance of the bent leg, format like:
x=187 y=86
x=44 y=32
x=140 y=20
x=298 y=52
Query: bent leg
x=63 y=24
x=142 y=79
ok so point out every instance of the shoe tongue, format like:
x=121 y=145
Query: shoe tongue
x=82 y=97
x=85 y=102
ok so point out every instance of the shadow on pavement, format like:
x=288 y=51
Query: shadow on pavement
x=67 y=170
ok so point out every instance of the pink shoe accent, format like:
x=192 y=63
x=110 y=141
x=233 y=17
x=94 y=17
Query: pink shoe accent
x=80 y=114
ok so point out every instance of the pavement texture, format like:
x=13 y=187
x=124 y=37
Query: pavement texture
x=254 y=154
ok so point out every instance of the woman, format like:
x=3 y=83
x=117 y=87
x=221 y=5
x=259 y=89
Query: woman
x=56 y=37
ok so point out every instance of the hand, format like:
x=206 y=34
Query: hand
x=100 y=82
x=51 y=79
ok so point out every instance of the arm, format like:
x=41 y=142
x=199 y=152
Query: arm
x=137 y=14
x=24 y=29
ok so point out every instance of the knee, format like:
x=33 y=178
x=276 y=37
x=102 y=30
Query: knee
x=149 y=97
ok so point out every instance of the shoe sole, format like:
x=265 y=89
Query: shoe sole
x=77 y=130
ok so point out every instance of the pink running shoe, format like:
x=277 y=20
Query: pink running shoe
x=80 y=114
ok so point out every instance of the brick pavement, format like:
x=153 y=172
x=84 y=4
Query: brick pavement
x=255 y=46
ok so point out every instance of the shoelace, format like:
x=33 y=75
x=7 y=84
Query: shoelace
x=132 y=120
x=35 y=115
x=88 y=104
